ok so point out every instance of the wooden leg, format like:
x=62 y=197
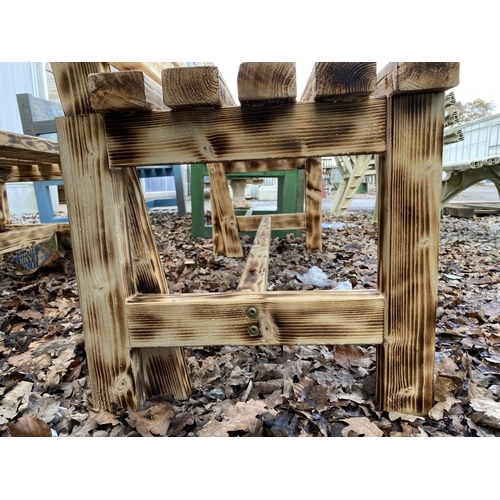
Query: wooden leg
x=314 y=201
x=163 y=370
x=4 y=207
x=409 y=218
x=103 y=261
x=224 y=227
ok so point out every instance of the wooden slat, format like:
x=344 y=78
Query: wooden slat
x=196 y=86
x=124 y=91
x=224 y=227
x=29 y=173
x=27 y=147
x=265 y=83
x=279 y=221
x=151 y=69
x=409 y=219
x=314 y=201
x=254 y=277
x=326 y=317
x=411 y=77
x=72 y=86
x=332 y=81
x=18 y=237
x=237 y=133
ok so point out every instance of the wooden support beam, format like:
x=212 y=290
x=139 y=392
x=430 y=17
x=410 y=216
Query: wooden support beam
x=266 y=83
x=224 y=227
x=124 y=91
x=336 y=81
x=409 y=219
x=237 y=133
x=96 y=248
x=18 y=237
x=29 y=148
x=323 y=317
x=254 y=278
x=72 y=85
x=160 y=370
x=279 y=221
x=29 y=173
x=196 y=86
x=314 y=201
x=103 y=262
x=412 y=77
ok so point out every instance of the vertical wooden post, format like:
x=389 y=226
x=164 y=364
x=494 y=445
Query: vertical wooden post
x=409 y=206
x=224 y=227
x=314 y=201
x=96 y=248
x=4 y=207
x=110 y=267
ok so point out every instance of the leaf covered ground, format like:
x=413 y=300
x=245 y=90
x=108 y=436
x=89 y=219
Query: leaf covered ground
x=269 y=391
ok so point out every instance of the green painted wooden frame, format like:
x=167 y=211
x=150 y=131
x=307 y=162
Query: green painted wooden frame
x=291 y=185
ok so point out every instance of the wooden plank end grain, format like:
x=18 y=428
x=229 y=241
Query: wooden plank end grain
x=266 y=83
x=340 y=81
x=196 y=86
x=124 y=91
x=412 y=77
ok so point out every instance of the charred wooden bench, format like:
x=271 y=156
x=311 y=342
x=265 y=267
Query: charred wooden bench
x=23 y=159
x=135 y=330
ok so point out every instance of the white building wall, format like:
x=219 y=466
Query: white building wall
x=19 y=78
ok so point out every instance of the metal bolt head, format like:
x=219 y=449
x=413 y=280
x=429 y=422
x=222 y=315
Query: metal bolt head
x=253 y=330
x=252 y=312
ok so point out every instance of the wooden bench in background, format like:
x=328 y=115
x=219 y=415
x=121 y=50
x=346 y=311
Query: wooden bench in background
x=25 y=158
x=135 y=331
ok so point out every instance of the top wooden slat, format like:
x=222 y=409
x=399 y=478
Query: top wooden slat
x=194 y=87
x=264 y=83
x=332 y=81
x=414 y=77
x=29 y=148
x=151 y=69
x=124 y=91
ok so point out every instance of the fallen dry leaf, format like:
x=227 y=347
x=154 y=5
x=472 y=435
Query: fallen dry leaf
x=360 y=427
x=238 y=417
x=153 y=421
x=29 y=426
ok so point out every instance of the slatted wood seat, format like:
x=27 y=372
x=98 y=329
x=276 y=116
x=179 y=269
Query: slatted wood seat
x=23 y=159
x=135 y=330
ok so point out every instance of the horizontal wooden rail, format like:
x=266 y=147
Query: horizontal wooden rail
x=204 y=135
x=24 y=236
x=25 y=147
x=279 y=221
x=323 y=317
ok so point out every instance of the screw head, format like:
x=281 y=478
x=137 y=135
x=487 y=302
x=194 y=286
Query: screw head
x=252 y=312
x=253 y=330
